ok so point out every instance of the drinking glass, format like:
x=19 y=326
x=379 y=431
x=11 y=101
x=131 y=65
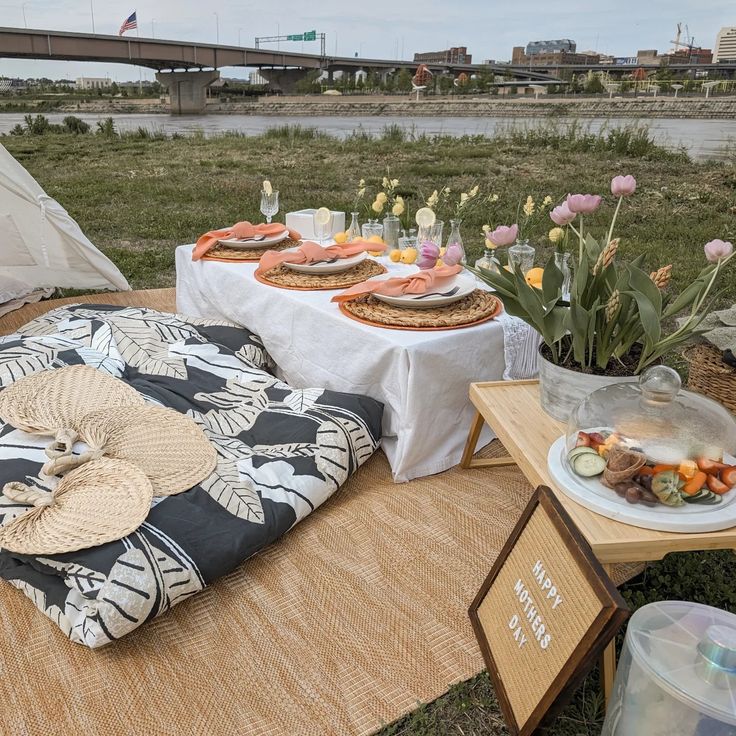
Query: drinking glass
x=269 y=204
x=322 y=229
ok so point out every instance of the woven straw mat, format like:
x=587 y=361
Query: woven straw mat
x=47 y=401
x=167 y=446
x=286 y=279
x=244 y=255
x=100 y=502
x=472 y=309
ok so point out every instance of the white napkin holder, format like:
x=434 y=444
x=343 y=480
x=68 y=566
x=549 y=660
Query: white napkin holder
x=303 y=222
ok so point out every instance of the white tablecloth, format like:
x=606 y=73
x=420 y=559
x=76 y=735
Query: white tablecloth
x=422 y=378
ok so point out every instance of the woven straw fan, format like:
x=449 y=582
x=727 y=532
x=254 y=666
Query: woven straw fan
x=54 y=402
x=167 y=446
x=100 y=502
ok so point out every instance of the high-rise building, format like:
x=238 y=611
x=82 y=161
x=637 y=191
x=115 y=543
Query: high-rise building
x=725 y=44
x=547 y=47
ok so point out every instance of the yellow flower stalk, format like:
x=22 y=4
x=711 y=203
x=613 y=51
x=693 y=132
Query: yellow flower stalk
x=529 y=206
x=547 y=201
x=661 y=276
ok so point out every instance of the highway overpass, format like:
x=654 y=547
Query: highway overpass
x=188 y=68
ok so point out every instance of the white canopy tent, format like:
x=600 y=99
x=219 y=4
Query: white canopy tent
x=40 y=244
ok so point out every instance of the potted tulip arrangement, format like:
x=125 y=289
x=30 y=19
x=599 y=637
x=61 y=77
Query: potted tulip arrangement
x=612 y=324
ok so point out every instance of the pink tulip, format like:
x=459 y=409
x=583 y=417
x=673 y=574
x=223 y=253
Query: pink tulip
x=561 y=215
x=718 y=249
x=503 y=235
x=623 y=186
x=453 y=255
x=583 y=203
x=428 y=254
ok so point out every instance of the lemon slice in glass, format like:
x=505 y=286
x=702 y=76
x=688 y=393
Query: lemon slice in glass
x=425 y=217
x=322 y=216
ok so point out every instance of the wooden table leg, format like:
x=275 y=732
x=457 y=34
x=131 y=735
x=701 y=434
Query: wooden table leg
x=475 y=429
x=608 y=658
x=482 y=462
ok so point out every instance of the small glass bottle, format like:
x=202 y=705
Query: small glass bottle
x=391 y=227
x=353 y=231
x=454 y=247
x=562 y=261
x=488 y=261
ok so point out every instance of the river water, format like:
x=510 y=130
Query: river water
x=703 y=139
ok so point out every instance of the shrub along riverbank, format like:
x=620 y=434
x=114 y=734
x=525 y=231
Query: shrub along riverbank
x=139 y=195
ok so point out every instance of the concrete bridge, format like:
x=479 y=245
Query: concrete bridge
x=188 y=68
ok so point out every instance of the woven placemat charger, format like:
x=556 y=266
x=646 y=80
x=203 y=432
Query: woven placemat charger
x=479 y=306
x=169 y=447
x=97 y=503
x=54 y=402
x=244 y=255
x=285 y=278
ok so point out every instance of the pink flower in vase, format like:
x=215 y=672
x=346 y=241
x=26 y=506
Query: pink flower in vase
x=503 y=235
x=623 y=186
x=583 y=204
x=428 y=254
x=453 y=255
x=561 y=215
x=718 y=249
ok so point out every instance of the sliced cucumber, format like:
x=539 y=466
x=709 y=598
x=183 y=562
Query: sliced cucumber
x=580 y=451
x=695 y=497
x=588 y=464
x=711 y=499
x=703 y=496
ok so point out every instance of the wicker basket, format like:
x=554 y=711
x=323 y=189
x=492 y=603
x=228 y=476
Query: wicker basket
x=709 y=375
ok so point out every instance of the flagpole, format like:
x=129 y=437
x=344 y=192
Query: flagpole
x=140 y=71
x=92 y=13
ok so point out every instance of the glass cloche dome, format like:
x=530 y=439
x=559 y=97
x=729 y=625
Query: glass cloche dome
x=653 y=444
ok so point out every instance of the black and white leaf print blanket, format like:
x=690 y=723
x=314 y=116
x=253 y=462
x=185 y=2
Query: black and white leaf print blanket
x=282 y=452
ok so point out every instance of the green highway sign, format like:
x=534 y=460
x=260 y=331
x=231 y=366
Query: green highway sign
x=306 y=36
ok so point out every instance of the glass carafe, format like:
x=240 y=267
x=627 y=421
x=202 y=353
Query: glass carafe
x=454 y=250
x=521 y=256
x=391 y=227
x=562 y=261
x=353 y=231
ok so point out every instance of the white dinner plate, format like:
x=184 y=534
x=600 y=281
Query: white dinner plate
x=449 y=292
x=591 y=493
x=324 y=267
x=251 y=244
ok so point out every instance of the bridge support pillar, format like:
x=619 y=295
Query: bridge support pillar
x=187 y=90
x=284 y=80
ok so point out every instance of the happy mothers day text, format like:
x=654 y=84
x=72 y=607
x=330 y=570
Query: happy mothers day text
x=548 y=591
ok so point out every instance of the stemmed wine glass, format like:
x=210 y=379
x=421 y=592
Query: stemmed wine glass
x=269 y=204
x=322 y=224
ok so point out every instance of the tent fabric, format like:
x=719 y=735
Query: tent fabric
x=40 y=243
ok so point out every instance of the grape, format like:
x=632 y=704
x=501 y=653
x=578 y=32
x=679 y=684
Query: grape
x=633 y=494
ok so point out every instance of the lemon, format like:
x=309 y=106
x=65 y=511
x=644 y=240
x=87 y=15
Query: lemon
x=425 y=217
x=534 y=276
x=341 y=238
x=322 y=216
x=375 y=239
x=395 y=255
x=375 y=253
x=409 y=255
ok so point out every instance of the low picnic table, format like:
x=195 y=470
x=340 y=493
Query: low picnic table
x=422 y=378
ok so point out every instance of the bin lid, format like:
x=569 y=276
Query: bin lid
x=689 y=650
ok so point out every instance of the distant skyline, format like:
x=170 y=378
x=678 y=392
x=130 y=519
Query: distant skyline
x=378 y=29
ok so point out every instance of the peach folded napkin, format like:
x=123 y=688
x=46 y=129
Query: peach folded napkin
x=241 y=231
x=418 y=283
x=309 y=252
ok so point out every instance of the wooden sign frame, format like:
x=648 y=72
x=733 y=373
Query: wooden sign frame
x=613 y=613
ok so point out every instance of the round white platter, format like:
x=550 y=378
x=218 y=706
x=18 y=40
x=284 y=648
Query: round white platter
x=323 y=267
x=452 y=291
x=592 y=494
x=252 y=244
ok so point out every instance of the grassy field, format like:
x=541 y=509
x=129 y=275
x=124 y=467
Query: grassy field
x=138 y=197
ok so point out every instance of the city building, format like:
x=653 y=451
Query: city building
x=694 y=55
x=548 y=47
x=454 y=55
x=93 y=82
x=552 y=58
x=647 y=56
x=725 y=45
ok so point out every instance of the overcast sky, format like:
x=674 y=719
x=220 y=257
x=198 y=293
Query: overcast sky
x=374 y=28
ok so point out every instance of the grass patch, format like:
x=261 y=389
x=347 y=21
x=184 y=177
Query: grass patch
x=139 y=195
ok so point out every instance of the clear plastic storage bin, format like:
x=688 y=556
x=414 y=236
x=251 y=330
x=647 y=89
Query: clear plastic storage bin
x=677 y=673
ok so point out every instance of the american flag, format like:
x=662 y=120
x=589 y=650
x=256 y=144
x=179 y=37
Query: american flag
x=129 y=24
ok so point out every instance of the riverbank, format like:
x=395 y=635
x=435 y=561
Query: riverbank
x=717 y=108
